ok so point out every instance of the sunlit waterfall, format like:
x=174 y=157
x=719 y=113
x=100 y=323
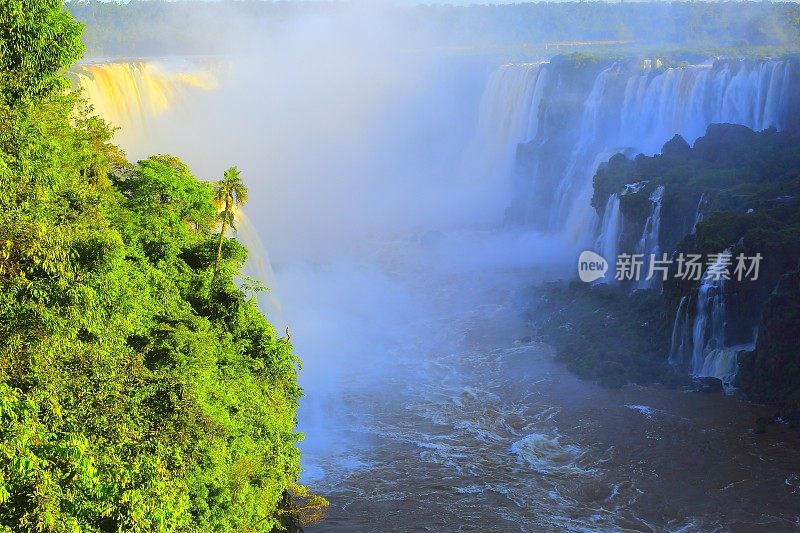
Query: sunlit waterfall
x=133 y=95
x=259 y=268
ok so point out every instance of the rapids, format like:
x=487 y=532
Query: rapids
x=484 y=432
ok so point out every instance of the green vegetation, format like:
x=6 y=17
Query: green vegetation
x=514 y=31
x=229 y=193
x=140 y=388
x=602 y=333
x=750 y=183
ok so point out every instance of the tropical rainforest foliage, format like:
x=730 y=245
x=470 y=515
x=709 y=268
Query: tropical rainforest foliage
x=140 y=388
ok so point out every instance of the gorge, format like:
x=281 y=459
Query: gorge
x=399 y=266
x=479 y=404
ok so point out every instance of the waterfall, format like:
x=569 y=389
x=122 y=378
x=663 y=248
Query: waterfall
x=610 y=230
x=679 y=341
x=686 y=100
x=648 y=243
x=634 y=109
x=698 y=217
x=509 y=116
x=132 y=95
x=703 y=342
x=711 y=356
x=584 y=156
x=259 y=267
x=723 y=364
x=708 y=332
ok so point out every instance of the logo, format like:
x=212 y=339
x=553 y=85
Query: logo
x=591 y=266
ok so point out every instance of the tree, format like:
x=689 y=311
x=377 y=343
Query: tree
x=38 y=42
x=229 y=192
x=140 y=391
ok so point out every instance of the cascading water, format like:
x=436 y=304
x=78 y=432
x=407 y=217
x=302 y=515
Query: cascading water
x=607 y=243
x=679 y=341
x=699 y=215
x=712 y=357
x=648 y=244
x=572 y=189
x=509 y=116
x=723 y=364
x=654 y=105
x=686 y=100
x=708 y=331
x=701 y=345
x=637 y=110
x=131 y=95
x=259 y=267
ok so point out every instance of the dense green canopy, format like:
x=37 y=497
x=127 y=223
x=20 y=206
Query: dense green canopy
x=140 y=390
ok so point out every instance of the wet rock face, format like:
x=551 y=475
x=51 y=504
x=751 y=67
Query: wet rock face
x=729 y=188
x=772 y=373
x=734 y=190
x=572 y=317
x=540 y=163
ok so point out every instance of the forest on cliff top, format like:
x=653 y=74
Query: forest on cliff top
x=141 y=389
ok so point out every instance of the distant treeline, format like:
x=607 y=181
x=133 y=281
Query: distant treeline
x=147 y=28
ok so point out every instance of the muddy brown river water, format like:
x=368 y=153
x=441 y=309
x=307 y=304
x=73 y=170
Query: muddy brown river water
x=491 y=434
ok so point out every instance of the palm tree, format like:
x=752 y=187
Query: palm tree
x=229 y=192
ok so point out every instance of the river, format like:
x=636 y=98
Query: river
x=485 y=432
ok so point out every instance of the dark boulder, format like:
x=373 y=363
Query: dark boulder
x=772 y=374
x=677 y=146
x=710 y=385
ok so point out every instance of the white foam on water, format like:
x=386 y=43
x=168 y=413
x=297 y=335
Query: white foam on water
x=547 y=455
x=646 y=410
